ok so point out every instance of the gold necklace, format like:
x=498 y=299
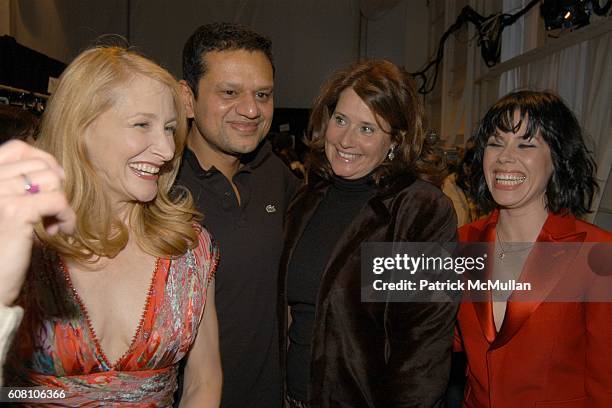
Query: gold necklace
x=502 y=252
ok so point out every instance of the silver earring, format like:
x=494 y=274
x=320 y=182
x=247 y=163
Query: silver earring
x=391 y=154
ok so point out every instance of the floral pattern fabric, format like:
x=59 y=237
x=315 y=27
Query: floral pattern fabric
x=56 y=345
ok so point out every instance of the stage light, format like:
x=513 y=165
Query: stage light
x=565 y=13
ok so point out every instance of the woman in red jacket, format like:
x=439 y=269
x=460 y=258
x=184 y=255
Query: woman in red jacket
x=533 y=170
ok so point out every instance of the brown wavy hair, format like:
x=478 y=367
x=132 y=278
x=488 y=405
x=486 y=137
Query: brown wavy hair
x=88 y=87
x=390 y=93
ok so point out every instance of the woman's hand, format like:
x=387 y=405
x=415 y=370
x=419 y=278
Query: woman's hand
x=30 y=191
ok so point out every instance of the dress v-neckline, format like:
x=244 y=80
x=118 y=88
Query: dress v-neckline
x=92 y=333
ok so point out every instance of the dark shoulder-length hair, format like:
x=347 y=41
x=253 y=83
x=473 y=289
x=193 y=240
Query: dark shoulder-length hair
x=572 y=185
x=390 y=93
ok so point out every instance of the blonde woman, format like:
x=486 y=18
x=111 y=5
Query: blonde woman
x=111 y=309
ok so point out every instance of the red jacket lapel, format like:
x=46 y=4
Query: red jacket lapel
x=484 y=232
x=543 y=270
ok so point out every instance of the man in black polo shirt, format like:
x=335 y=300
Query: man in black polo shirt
x=242 y=189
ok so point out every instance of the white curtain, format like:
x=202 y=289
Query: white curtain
x=582 y=75
x=310 y=38
x=375 y=9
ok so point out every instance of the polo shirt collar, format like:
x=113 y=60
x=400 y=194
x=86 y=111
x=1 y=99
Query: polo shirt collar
x=249 y=161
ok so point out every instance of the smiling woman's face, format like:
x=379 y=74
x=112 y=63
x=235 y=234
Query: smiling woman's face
x=517 y=170
x=131 y=141
x=356 y=140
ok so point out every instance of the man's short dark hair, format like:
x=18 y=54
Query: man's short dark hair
x=219 y=37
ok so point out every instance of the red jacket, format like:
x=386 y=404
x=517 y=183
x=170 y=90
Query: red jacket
x=545 y=354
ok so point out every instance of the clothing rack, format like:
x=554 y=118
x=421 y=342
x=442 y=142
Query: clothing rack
x=33 y=101
x=23 y=91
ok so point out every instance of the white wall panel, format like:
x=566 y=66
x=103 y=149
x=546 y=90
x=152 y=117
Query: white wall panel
x=310 y=38
x=62 y=28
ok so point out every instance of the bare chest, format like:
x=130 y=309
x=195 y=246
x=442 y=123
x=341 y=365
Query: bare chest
x=114 y=297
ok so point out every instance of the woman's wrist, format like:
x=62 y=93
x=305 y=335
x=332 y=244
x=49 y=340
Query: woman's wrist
x=7 y=298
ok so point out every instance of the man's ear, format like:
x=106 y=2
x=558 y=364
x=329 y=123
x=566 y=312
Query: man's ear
x=188 y=98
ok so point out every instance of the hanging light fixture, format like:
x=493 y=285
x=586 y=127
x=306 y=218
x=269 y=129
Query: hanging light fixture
x=565 y=14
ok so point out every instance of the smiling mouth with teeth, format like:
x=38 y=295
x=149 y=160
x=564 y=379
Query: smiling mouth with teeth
x=144 y=169
x=509 y=180
x=347 y=156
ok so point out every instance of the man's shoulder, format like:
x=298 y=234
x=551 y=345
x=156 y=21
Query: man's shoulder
x=191 y=174
x=185 y=171
x=266 y=158
x=274 y=170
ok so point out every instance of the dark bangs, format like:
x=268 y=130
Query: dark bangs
x=501 y=117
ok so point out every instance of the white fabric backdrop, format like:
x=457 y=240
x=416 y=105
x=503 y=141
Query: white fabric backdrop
x=580 y=74
x=310 y=38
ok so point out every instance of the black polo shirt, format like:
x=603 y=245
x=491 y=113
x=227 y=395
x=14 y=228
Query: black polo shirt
x=250 y=240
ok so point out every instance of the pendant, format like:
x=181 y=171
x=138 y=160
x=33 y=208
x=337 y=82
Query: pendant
x=501 y=255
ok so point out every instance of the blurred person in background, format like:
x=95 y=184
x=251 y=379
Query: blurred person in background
x=455 y=187
x=17 y=123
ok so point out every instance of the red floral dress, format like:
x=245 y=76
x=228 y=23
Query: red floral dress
x=56 y=346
